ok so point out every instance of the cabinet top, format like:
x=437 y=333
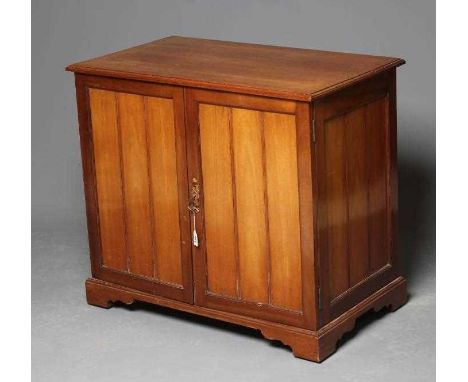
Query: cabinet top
x=291 y=73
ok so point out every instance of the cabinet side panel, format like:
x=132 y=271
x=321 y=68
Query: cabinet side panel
x=163 y=175
x=357 y=179
x=283 y=210
x=218 y=200
x=356 y=193
x=376 y=129
x=337 y=209
x=136 y=183
x=356 y=173
x=250 y=205
x=108 y=178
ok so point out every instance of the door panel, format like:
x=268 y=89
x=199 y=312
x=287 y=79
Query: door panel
x=247 y=136
x=108 y=178
x=136 y=189
x=219 y=209
x=283 y=201
x=141 y=186
x=163 y=166
x=250 y=256
x=251 y=150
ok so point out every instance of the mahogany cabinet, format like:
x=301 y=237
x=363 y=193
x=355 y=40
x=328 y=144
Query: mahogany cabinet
x=247 y=183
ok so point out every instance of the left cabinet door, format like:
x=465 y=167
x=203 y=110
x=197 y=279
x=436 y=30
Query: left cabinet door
x=134 y=165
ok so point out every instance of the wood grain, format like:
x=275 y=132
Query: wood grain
x=165 y=199
x=337 y=208
x=376 y=130
x=250 y=205
x=289 y=73
x=86 y=86
x=218 y=195
x=136 y=184
x=361 y=245
x=392 y=169
x=310 y=258
x=253 y=152
x=108 y=178
x=89 y=174
x=357 y=198
x=283 y=210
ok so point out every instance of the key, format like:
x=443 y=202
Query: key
x=194 y=232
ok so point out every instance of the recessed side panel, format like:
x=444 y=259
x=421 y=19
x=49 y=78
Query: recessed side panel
x=355 y=195
x=354 y=213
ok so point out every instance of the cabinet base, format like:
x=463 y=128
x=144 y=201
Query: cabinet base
x=306 y=344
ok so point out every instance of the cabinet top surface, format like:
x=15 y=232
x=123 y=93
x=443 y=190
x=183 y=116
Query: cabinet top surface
x=291 y=73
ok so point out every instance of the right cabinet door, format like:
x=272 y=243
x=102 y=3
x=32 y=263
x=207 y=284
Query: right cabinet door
x=251 y=158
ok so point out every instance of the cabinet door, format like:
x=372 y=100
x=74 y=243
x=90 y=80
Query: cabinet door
x=134 y=159
x=250 y=157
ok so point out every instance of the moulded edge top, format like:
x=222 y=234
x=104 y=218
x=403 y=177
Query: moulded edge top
x=237 y=67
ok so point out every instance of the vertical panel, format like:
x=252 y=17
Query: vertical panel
x=218 y=199
x=337 y=209
x=376 y=129
x=163 y=177
x=250 y=205
x=108 y=178
x=283 y=210
x=356 y=149
x=136 y=184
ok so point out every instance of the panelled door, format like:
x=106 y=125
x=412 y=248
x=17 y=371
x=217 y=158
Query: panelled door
x=134 y=147
x=250 y=175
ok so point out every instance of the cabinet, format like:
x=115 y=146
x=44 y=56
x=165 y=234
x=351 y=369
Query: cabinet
x=247 y=183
